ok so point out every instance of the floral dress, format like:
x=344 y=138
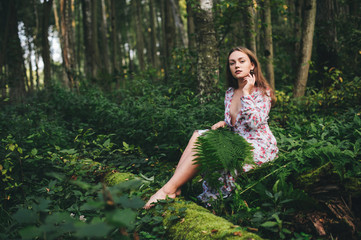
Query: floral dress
x=251 y=123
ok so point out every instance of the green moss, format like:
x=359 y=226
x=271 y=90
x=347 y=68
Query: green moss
x=315 y=176
x=112 y=179
x=199 y=223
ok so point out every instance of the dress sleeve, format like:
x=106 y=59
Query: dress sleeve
x=255 y=110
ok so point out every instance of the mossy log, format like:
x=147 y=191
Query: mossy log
x=197 y=223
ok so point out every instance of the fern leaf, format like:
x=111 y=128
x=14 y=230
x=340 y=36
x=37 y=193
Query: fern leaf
x=219 y=150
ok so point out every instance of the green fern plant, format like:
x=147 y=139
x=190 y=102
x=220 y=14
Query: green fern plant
x=219 y=150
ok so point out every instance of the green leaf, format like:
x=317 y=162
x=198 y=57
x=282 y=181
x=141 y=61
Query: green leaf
x=269 y=224
x=122 y=218
x=34 y=151
x=25 y=216
x=30 y=232
x=96 y=230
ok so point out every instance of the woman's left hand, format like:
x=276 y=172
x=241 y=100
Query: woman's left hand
x=250 y=79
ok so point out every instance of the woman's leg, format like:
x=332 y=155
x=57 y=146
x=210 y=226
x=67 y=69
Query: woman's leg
x=184 y=172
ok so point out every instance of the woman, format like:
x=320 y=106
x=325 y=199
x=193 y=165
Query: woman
x=248 y=101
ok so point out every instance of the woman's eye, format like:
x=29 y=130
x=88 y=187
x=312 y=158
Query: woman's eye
x=231 y=63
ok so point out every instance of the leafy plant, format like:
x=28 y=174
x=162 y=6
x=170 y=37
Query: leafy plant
x=221 y=150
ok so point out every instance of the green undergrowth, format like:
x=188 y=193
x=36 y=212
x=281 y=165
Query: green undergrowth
x=50 y=143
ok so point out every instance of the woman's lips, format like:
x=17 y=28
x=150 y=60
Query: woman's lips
x=238 y=71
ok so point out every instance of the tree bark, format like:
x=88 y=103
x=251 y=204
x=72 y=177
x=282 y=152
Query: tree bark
x=168 y=32
x=249 y=28
x=153 y=35
x=297 y=30
x=191 y=27
x=181 y=34
x=45 y=42
x=113 y=34
x=87 y=34
x=14 y=57
x=268 y=51
x=136 y=4
x=208 y=60
x=67 y=46
x=308 y=28
x=104 y=33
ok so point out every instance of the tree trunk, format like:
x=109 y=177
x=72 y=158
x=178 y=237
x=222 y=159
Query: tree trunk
x=249 y=28
x=153 y=35
x=94 y=39
x=208 y=60
x=14 y=57
x=87 y=34
x=168 y=34
x=136 y=5
x=191 y=27
x=308 y=28
x=45 y=42
x=104 y=33
x=67 y=47
x=31 y=78
x=268 y=51
x=181 y=34
x=114 y=37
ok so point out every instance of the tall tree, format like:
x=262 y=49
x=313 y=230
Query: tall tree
x=153 y=35
x=208 y=53
x=104 y=38
x=45 y=53
x=190 y=26
x=268 y=46
x=136 y=5
x=114 y=39
x=249 y=29
x=169 y=32
x=67 y=42
x=181 y=34
x=14 y=56
x=308 y=27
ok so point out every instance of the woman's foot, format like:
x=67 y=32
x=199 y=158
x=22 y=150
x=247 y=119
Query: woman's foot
x=161 y=194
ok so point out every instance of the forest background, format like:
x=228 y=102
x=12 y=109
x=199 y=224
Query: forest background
x=135 y=78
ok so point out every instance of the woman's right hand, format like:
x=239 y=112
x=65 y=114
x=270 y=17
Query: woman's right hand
x=218 y=125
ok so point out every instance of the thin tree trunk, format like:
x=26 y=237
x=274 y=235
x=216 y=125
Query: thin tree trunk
x=191 y=27
x=208 y=56
x=268 y=51
x=31 y=78
x=67 y=50
x=249 y=29
x=87 y=34
x=14 y=58
x=94 y=38
x=308 y=28
x=153 y=35
x=182 y=35
x=114 y=38
x=3 y=53
x=169 y=33
x=136 y=5
x=45 y=42
x=104 y=33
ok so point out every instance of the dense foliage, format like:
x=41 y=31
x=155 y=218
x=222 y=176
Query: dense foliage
x=57 y=147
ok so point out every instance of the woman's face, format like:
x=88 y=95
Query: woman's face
x=240 y=65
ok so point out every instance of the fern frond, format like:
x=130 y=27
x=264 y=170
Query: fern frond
x=219 y=150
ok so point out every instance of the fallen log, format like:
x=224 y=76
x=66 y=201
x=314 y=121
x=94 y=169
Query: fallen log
x=197 y=223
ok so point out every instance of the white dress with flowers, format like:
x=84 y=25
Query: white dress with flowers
x=251 y=123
